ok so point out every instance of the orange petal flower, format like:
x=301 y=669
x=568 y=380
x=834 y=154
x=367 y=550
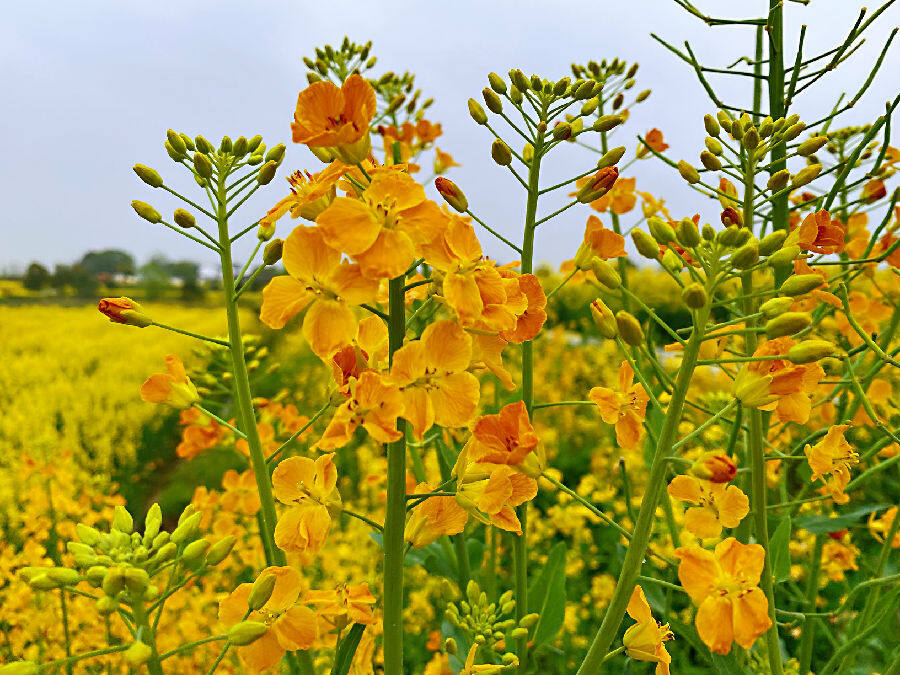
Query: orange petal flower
x=173 y=387
x=716 y=506
x=819 y=233
x=505 y=438
x=490 y=492
x=433 y=518
x=344 y=605
x=654 y=139
x=830 y=460
x=124 y=310
x=625 y=407
x=308 y=487
x=644 y=640
x=374 y=404
x=310 y=195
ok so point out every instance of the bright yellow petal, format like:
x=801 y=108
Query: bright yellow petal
x=348 y=225
x=448 y=348
x=328 y=326
x=283 y=297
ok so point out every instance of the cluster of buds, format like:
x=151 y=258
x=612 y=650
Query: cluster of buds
x=486 y=623
x=616 y=75
x=213 y=375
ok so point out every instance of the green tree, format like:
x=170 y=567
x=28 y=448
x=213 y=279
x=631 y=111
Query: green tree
x=36 y=277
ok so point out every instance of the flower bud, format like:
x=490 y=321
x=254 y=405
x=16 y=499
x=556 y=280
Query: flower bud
x=64 y=576
x=113 y=582
x=148 y=175
x=751 y=139
x=528 y=153
x=598 y=185
x=672 y=261
x=585 y=91
x=809 y=351
x=694 y=295
x=497 y=83
x=246 y=632
x=562 y=131
x=687 y=233
x=661 y=231
x=272 y=251
x=145 y=211
x=451 y=194
x=607 y=122
x=731 y=216
x=492 y=101
x=724 y=119
x=714 y=146
x=605 y=273
x=590 y=106
x=784 y=256
x=137 y=654
x=261 y=591
x=746 y=256
x=811 y=145
x=500 y=152
x=716 y=467
x=276 y=154
x=515 y=95
x=629 y=328
x=529 y=620
x=184 y=218
x=766 y=127
x=793 y=131
x=477 y=112
x=220 y=550
x=805 y=175
x=708 y=232
x=253 y=143
x=195 y=550
x=124 y=310
x=265 y=231
x=267 y=173
x=604 y=319
x=122 y=520
x=450 y=646
x=202 y=165
x=772 y=242
x=611 y=158
x=187 y=530
x=710 y=161
x=775 y=307
x=787 y=324
x=239 y=148
x=688 y=172
x=225 y=146
x=136 y=580
x=645 y=244
x=711 y=125
x=517 y=77
x=106 y=605
x=799 y=284
x=737 y=130
x=561 y=86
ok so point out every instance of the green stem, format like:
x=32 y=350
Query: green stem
x=395 y=514
x=147 y=636
x=190 y=334
x=812 y=592
x=65 y=619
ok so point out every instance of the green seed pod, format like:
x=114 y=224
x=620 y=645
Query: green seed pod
x=688 y=172
x=694 y=296
x=186 y=220
x=788 y=323
x=202 y=165
x=500 y=152
x=246 y=632
x=266 y=173
x=607 y=122
x=775 y=307
x=710 y=161
x=713 y=145
x=784 y=256
x=778 y=180
x=220 y=550
x=611 y=158
x=492 y=101
x=687 y=233
x=497 y=83
x=122 y=520
x=195 y=550
x=148 y=175
x=711 y=125
x=272 y=252
x=793 y=131
x=477 y=112
x=805 y=175
x=746 y=256
x=809 y=351
x=176 y=141
x=645 y=244
x=605 y=273
x=661 y=231
x=137 y=654
x=145 y=211
x=772 y=242
x=800 y=284
x=629 y=328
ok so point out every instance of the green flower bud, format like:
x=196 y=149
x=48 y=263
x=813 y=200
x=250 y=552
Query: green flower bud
x=778 y=180
x=529 y=620
x=113 y=582
x=688 y=172
x=607 y=122
x=450 y=646
x=694 y=296
x=793 y=131
x=811 y=145
x=605 y=321
x=787 y=324
x=261 y=591
x=276 y=154
x=737 y=130
x=137 y=654
x=106 y=605
x=708 y=232
x=195 y=550
x=183 y=219
x=772 y=242
x=611 y=158
x=176 y=141
x=253 y=143
x=95 y=574
x=519 y=633
x=145 y=211
x=642 y=96
x=225 y=146
x=501 y=153
x=724 y=119
x=202 y=165
x=173 y=154
x=746 y=256
x=64 y=576
x=605 y=273
x=220 y=550
x=784 y=256
x=751 y=139
x=671 y=261
x=775 y=307
x=687 y=233
x=629 y=328
x=561 y=86
x=497 y=83
x=451 y=193
x=805 y=175
x=187 y=530
x=766 y=127
x=492 y=101
x=272 y=251
x=477 y=112
x=809 y=351
x=799 y=284
x=661 y=231
x=562 y=131
x=246 y=632
x=515 y=95
x=645 y=244
x=203 y=145
x=122 y=520
x=710 y=161
x=148 y=175
x=89 y=535
x=713 y=145
x=590 y=106
x=267 y=173
x=239 y=148
x=711 y=125
x=136 y=580
x=584 y=91
x=517 y=77
x=153 y=519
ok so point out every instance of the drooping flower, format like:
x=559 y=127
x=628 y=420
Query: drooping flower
x=336 y=119
x=344 y=605
x=433 y=518
x=602 y=242
x=724 y=585
x=174 y=387
x=310 y=195
x=308 y=487
x=872 y=191
x=373 y=404
x=715 y=505
x=319 y=280
x=644 y=641
x=830 y=460
x=623 y=407
x=443 y=161
x=881 y=525
x=291 y=624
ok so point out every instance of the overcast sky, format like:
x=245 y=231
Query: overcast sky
x=91 y=86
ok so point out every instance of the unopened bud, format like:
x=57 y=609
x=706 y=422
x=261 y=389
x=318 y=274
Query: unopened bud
x=220 y=550
x=694 y=296
x=799 y=284
x=136 y=580
x=122 y=520
x=202 y=165
x=497 y=83
x=713 y=145
x=598 y=185
x=148 y=175
x=176 y=141
x=500 y=152
x=793 y=131
x=672 y=261
x=611 y=158
x=811 y=145
x=710 y=161
x=711 y=125
x=751 y=139
x=195 y=550
x=272 y=252
x=775 y=307
x=805 y=175
x=450 y=646
x=605 y=273
x=20 y=668
x=261 y=591
x=784 y=256
x=716 y=467
x=687 y=233
x=661 y=230
x=590 y=106
x=137 y=654
x=451 y=193
x=645 y=244
x=276 y=153
x=772 y=242
x=267 y=173
x=125 y=311
x=562 y=131
x=604 y=319
x=184 y=219
x=477 y=112
x=246 y=632
x=187 y=530
x=607 y=122
x=746 y=256
x=788 y=323
x=688 y=172
x=708 y=232
x=239 y=148
x=778 y=180
x=629 y=328
x=809 y=351
x=64 y=576
x=145 y=211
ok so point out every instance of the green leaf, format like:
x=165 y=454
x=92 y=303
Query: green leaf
x=824 y=524
x=547 y=596
x=779 y=551
x=346 y=650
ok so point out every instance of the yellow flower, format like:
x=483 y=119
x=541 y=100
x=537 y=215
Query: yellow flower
x=309 y=488
x=717 y=506
x=644 y=640
x=830 y=460
x=173 y=388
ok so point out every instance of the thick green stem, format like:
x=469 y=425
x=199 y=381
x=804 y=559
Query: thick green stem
x=395 y=515
x=147 y=636
x=775 y=30
x=656 y=483
x=812 y=592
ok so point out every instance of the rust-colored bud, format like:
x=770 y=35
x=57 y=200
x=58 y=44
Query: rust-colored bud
x=124 y=310
x=731 y=216
x=716 y=467
x=604 y=319
x=451 y=193
x=598 y=185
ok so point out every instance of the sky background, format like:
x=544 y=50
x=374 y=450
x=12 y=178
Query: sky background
x=91 y=87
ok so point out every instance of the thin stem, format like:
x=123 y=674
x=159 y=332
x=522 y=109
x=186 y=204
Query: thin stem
x=181 y=331
x=325 y=408
x=220 y=420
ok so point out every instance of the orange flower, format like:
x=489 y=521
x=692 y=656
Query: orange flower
x=240 y=493
x=344 y=605
x=599 y=242
x=432 y=375
x=819 y=233
x=308 y=487
x=316 y=278
x=879 y=527
x=173 y=388
x=336 y=119
x=644 y=640
x=311 y=193
x=857 y=235
x=200 y=433
x=506 y=438
x=832 y=457
x=778 y=384
x=373 y=404
x=654 y=139
x=838 y=556
x=124 y=310
x=530 y=320
x=723 y=584
x=292 y=626
x=382 y=228
x=879 y=394
x=490 y=491
x=650 y=205
x=885 y=244
x=625 y=407
x=717 y=506
x=873 y=191
x=868 y=312
x=433 y=518
x=619 y=199
x=443 y=161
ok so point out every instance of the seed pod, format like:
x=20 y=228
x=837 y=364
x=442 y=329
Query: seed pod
x=784 y=256
x=220 y=550
x=645 y=244
x=809 y=351
x=746 y=256
x=246 y=632
x=267 y=173
x=477 y=112
x=261 y=591
x=710 y=161
x=713 y=145
x=687 y=233
x=805 y=175
x=145 y=211
x=772 y=242
x=799 y=284
x=492 y=101
x=607 y=122
x=137 y=654
x=629 y=328
x=778 y=180
x=605 y=273
x=202 y=165
x=605 y=321
x=688 y=172
x=451 y=194
x=787 y=324
x=497 y=83
x=775 y=307
x=611 y=158
x=711 y=125
x=661 y=231
x=184 y=219
x=694 y=296
x=148 y=175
